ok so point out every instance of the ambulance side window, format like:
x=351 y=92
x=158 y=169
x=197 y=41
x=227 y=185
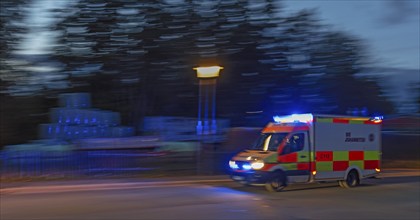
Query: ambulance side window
x=275 y=141
x=295 y=143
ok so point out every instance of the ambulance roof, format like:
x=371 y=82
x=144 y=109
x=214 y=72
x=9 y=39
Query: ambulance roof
x=308 y=118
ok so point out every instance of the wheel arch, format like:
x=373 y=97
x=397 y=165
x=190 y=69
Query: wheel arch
x=351 y=168
x=279 y=169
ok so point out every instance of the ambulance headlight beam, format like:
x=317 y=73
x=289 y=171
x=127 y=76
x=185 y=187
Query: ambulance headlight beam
x=233 y=165
x=257 y=165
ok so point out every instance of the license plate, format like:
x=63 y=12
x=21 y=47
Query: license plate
x=238 y=177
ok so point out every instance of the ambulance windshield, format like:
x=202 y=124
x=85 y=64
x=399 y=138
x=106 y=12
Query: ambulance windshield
x=269 y=141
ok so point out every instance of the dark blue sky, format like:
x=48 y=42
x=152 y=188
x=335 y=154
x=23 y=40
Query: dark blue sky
x=391 y=28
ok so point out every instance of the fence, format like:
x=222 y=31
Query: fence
x=93 y=163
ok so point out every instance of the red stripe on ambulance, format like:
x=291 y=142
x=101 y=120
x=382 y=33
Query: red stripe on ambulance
x=340 y=165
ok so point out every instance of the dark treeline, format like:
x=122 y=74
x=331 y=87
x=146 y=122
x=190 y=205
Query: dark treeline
x=136 y=57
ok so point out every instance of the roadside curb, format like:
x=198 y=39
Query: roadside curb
x=122 y=184
x=104 y=185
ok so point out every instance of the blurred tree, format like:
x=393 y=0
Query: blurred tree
x=156 y=52
x=26 y=66
x=20 y=110
x=297 y=89
x=282 y=64
x=98 y=45
x=417 y=93
x=136 y=57
x=249 y=75
x=341 y=56
x=12 y=30
x=319 y=66
x=414 y=87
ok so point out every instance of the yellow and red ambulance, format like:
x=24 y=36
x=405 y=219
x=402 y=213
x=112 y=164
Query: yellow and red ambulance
x=304 y=148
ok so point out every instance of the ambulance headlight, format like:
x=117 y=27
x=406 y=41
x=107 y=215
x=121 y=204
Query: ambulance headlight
x=246 y=166
x=257 y=165
x=233 y=165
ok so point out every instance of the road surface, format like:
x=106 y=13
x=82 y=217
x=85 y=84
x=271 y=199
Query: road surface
x=395 y=196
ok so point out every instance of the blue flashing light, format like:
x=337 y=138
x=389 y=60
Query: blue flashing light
x=377 y=119
x=246 y=166
x=303 y=118
x=277 y=119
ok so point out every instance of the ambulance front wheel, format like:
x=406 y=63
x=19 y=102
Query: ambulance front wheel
x=276 y=183
x=352 y=180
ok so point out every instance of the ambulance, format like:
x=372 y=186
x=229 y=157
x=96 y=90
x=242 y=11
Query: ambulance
x=306 y=148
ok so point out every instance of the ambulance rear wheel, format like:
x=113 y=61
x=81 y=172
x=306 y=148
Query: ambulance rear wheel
x=276 y=183
x=352 y=180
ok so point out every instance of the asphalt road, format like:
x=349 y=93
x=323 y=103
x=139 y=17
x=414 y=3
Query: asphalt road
x=395 y=196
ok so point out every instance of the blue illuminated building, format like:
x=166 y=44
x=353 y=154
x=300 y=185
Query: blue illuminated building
x=76 y=119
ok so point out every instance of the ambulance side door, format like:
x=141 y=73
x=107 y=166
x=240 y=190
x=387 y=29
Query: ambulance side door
x=295 y=157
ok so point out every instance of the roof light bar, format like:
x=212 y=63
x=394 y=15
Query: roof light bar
x=377 y=119
x=303 y=118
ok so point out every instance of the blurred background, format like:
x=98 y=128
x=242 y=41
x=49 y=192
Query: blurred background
x=92 y=86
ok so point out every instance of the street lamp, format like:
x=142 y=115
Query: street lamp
x=207 y=78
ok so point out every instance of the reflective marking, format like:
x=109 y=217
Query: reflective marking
x=371 y=164
x=357 y=163
x=340 y=155
x=371 y=155
x=340 y=165
x=356 y=155
x=324 y=166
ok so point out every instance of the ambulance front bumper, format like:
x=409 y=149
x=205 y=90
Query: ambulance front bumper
x=250 y=177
